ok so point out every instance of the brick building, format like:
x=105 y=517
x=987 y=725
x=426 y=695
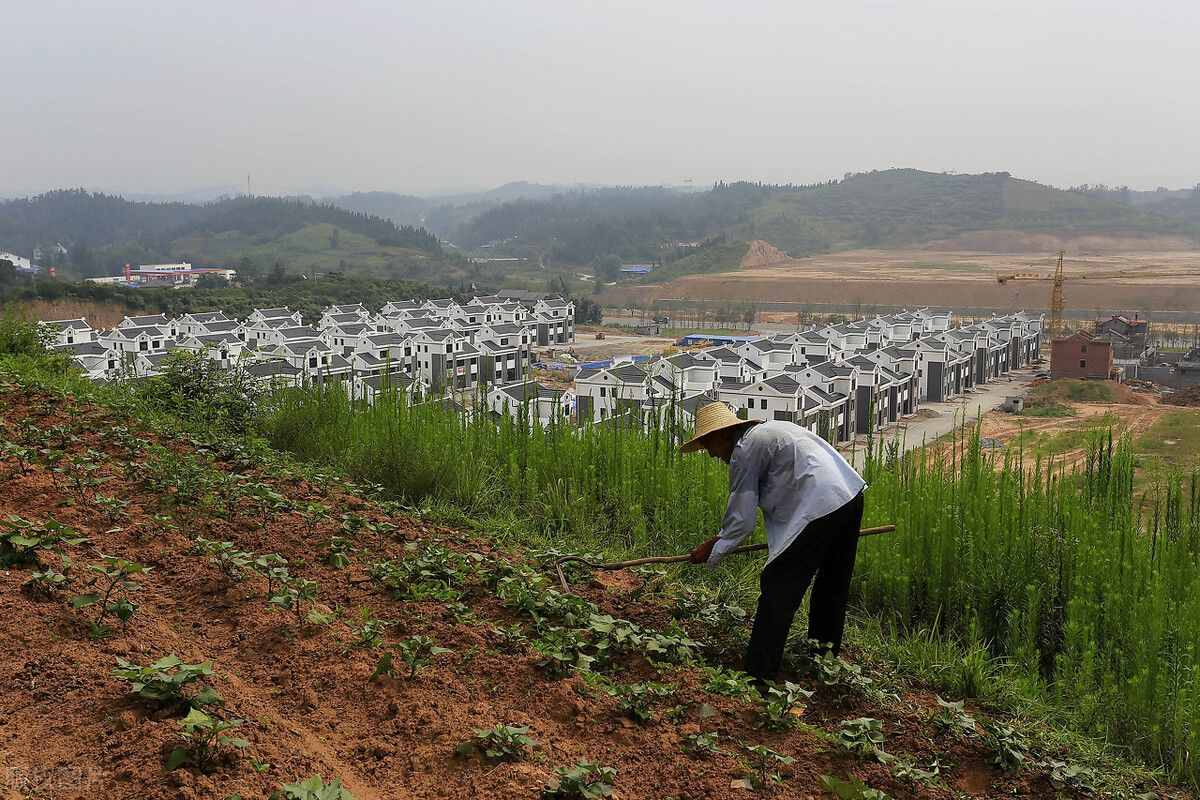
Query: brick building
x=1082 y=356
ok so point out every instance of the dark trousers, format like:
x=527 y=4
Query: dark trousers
x=825 y=549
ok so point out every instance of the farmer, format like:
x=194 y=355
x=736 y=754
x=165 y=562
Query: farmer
x=812 y=503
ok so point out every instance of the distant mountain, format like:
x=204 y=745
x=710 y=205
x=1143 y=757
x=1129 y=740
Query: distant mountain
x=887 y=208
x=442 y=213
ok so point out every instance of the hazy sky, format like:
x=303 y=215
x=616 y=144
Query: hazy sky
x=167 y=96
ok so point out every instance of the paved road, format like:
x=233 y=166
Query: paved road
x=925 y=429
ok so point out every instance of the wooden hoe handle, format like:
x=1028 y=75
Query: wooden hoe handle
x=638 y=562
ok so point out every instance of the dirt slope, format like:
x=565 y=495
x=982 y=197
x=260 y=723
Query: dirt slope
x=69 y=729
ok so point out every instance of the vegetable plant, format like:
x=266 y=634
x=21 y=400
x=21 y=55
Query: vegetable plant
x=501 y=743
x=113 y=582
x=313 y=788
x=369 y=633
x=703 y=744
x=418 y=652
x=762 y=767
x=562 y=651
x=635 y=700
x=952 y=718
x=233 y=563
x=207 y=738
x=584 y=781
x=164 y=683
x=1010 y=750
x=851 y=789
x=338 y=552
x=783 y=706
x=293 y=593
x=21 y=540
x=728 y=682
x=863 y=735
x=49 y=582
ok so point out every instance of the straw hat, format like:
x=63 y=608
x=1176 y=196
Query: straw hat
x=710 y=419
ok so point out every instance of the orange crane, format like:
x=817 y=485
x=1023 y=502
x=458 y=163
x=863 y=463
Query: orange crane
x=1058 y=278
x=1057 y=302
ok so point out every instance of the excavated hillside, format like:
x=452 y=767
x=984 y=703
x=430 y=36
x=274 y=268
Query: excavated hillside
x=295 y=657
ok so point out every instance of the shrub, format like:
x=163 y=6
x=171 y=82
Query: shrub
x=762 y=767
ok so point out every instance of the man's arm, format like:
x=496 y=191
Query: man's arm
x=745 y=473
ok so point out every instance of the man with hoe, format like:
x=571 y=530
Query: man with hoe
x=812 y=503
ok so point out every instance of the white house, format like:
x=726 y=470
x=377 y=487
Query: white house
x=530 y=401
x=68 y=331
x=602 y=393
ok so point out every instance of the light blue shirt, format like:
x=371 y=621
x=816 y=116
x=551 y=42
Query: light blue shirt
x=794 y=475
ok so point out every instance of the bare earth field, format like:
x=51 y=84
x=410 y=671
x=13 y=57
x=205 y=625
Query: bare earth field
x=1102 y=272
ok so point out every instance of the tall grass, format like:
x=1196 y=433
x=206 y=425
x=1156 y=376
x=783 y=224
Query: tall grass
x=1089 y=595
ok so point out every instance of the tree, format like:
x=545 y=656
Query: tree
x=210 y=281
x=8 y=272
x=606 y=268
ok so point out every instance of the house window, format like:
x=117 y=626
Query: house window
x=763 y=404
x=312 y=361
x=143 y=345
x=602 y=391
x=1083 y=364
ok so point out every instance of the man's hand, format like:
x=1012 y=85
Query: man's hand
x=700 y=554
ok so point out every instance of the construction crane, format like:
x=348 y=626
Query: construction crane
x=1058 y=278
x=1057 y=302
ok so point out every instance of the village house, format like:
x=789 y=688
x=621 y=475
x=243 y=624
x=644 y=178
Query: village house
x=1082 y=355
x=531 y=402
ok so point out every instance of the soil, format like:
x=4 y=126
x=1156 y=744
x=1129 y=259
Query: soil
x=69 y=729
x=1153 y=277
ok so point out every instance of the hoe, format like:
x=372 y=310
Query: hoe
x=637 y=562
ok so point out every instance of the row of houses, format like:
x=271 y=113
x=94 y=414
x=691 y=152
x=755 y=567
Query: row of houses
x=434 y=344
x=836 y=380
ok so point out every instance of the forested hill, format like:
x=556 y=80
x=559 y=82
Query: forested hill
x=884 y=208
x=102 y=232
x=98 y=220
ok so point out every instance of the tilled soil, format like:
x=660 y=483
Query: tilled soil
x=69 y=729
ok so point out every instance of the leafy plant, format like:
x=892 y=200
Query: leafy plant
x=233 y=563
x=113 y=583
x=951 y=717
x=1075 y=777
x=113 y=507
x=501 y=743
x=292 y=593
x=21 y=540
x=314 y=788
x=338 y=552
x=863 y=735
x=584 y=781
x=274 y=568
x=418 y=652
x=562 y=651
x=207 y=738
x=846 y=679
x=728 y=682
x=313 y=514
x=510 y=638
x=635 y=700
x=703 y=745
x=1010 y=750
x=163 y=682
x=369 y=633
x=49 y=582
x=762 y=767
x=783 y=707
x=21 y=456
x=851 y=788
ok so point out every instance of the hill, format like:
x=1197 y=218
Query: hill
x=346 y=636
x=102 y=232
x=889 y=208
